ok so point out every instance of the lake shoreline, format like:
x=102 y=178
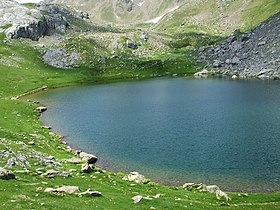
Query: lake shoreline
x=140 y=171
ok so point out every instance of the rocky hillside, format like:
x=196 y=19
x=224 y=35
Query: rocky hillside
x=253 y=53
x=217 y=16
x=122 y=11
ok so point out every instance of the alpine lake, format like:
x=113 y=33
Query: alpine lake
x=176 y=130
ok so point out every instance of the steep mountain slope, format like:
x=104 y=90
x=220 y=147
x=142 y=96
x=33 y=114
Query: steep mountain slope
x=218 y=16
x=122 y=11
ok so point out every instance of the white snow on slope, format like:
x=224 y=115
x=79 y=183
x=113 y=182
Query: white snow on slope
x=141 y=3
x=157 y=19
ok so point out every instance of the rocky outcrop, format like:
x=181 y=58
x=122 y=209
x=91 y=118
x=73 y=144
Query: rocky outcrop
x=18 y=21
x=255 y=53
x=89 y=158
x=60 y=58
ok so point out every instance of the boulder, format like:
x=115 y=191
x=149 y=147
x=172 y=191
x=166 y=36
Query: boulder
x=203 y=73
x=132 y=45
x=234 y=77
x=41 y=109
x=6 y=175
x=212 y=188
x=220 y=194
x=137 y=198
x=135 y=177
x=91 y=159
x=86 y=168
x=192 y=186
x=64 y=189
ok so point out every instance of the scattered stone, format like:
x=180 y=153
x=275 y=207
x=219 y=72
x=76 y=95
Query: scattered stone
x=212 y=188
x=86 y=168
x=220 y=194
x=131 y=45
x=91 y=159
x=90 y=193
x=192 y=186
x=135 y=177
x=235 y=61
x=74 y=160
x=11 y=162
x=144 y=36
x=203 y=73
x=137 y=198
x=64 y=189
x=41 y=109
x=247 y=54
x=6 y=175
x=53 y=173
x=234 y=77
x=157 y=196
x=31 y=143
x=39 y=189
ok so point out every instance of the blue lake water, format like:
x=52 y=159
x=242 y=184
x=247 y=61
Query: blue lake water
x=214 y=131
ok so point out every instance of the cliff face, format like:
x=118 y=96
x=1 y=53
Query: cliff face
x=17 y=21
x=253 y=53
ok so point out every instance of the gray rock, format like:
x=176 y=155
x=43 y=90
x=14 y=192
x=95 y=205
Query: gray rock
x=137 y=198
x=90 y=193
x=11 y=162
x=235 y=61
x=60 y=58
x=192 y=186
x=90 y=158
x=144 y=36
x=135 y=177
x=203 y=73
x=41 y=109
x=86 y=168
x=74 y=160
x=247 y=54
x=6 y=175
x=132 y=45
x=64 y=189
x=53 y=173
x=212 y=188
x=217 y=64
x=220 y=194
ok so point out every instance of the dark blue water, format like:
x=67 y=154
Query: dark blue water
x=215 y=131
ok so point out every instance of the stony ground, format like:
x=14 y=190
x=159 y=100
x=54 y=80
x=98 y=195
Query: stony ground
x=255 y=53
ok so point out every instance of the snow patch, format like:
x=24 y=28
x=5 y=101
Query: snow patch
x=157 y=19
x=141 y=3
